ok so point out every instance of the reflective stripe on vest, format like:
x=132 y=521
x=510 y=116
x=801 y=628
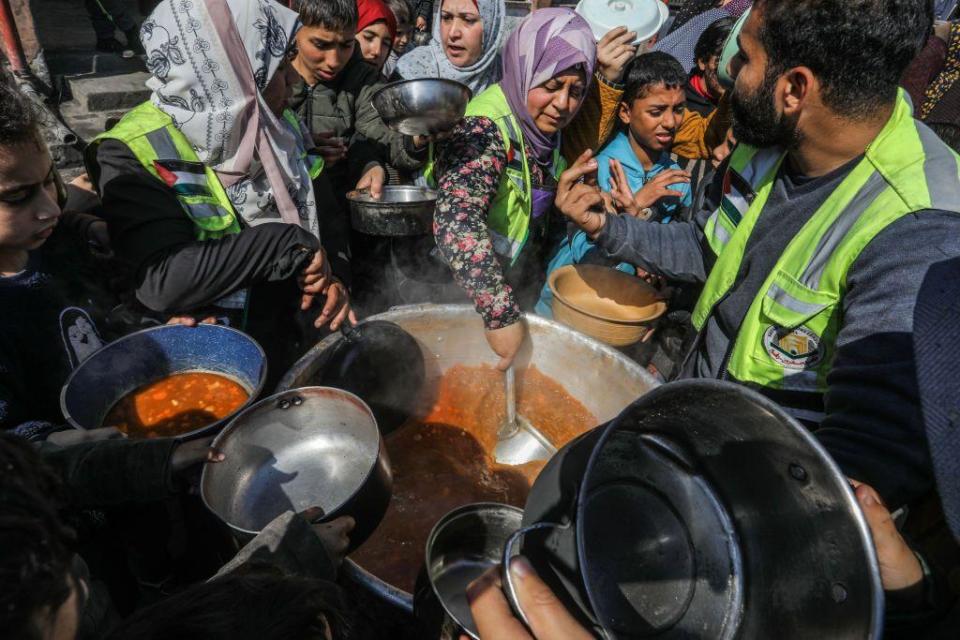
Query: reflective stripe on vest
x=787 y=338
x=313 y=162
x=167 y=154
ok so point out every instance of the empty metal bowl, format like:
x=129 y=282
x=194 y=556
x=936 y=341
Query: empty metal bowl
x=423 y=106
x=400 y=211
x=461 y=547
x=307 y=447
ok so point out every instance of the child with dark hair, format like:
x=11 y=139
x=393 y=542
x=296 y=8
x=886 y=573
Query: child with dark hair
x=335 y=97
x=41 y=593
x=403 y=12
x=704 y=89
x=52 y=291
x=635 y=167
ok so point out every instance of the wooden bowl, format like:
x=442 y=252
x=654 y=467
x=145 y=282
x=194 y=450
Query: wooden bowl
x=609 y=305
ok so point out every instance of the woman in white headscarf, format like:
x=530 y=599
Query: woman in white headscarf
x=467 y=35
x=208 y=188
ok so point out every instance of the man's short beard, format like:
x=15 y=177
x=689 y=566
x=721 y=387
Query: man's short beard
x=756 y=121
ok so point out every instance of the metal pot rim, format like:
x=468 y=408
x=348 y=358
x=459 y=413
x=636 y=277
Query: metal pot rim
x=446 y=519
x=231 y=426
x=205 y=327
x=416 y=309
x=400 y=83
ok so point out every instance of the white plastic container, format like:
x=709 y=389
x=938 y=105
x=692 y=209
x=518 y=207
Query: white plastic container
x=645 y=17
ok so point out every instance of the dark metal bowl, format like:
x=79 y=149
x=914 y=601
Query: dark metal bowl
x=704 y=510
x=400 y=211
x=154 y=353
x=423 y=106
x=308 y=447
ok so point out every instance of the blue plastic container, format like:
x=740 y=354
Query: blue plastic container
x=151 y=354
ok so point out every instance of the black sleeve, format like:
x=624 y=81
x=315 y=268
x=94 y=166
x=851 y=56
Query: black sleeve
x=874 y=427
x=677 y=250
x=362 y=154
x=289 y=544
x=111 y=472
x=174 y=272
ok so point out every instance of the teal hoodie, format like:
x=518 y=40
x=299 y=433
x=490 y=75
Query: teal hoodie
x=574 y=248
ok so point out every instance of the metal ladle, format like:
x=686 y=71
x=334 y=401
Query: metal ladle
x=518 y=441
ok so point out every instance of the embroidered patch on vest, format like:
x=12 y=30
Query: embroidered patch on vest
x=737 y=196
x=798 y=349
x=184 y=177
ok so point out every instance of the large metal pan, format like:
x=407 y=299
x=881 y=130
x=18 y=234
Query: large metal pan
x=400 y=211
x=600 y=377
x=302 y=448
x=703 y=510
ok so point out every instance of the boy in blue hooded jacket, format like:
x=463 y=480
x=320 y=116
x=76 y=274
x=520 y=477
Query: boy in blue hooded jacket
x=635 y=167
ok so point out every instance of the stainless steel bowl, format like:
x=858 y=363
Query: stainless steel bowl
x=309 y=447
x=400 y=211
x=462 y=546
x=423 y=106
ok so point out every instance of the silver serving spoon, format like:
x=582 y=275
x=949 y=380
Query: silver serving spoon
x=517 y=440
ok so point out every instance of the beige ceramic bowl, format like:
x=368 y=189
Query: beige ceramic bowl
x=604 y=303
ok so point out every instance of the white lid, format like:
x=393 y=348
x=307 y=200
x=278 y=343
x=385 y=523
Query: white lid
x=645 y=17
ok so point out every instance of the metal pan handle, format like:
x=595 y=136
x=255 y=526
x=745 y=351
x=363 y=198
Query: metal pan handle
x=508 y=555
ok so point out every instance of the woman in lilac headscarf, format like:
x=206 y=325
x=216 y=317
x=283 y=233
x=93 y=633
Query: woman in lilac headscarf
x=497 y=173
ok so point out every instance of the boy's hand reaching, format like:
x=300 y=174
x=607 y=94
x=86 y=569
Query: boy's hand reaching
x=638 y=204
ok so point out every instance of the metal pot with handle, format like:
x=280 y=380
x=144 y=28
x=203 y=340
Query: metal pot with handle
x=702 y=510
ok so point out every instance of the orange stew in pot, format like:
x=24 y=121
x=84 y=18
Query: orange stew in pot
x=445 y=460
x=177 y=404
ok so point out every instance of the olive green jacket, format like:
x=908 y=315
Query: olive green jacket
x=345 y=106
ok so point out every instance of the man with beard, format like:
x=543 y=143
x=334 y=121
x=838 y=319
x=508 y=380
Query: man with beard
x=816 y=233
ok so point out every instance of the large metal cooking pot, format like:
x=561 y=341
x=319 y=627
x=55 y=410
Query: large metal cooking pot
x=703 y=510
x=601 y=378
x=151 y=354
x=302 y=448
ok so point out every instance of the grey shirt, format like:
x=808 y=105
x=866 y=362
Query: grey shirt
x=873 y=424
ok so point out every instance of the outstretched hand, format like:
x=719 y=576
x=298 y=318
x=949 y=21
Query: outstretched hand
x=372 y=180
x=191 y=453
x=579 y=200
x=506 y=342
x=651 y=193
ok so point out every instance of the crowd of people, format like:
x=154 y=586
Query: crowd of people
x=783 y=171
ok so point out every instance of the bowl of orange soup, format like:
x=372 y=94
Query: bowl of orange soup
x=166 y=381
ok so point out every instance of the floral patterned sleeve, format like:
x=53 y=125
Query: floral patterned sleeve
x=469 y=167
